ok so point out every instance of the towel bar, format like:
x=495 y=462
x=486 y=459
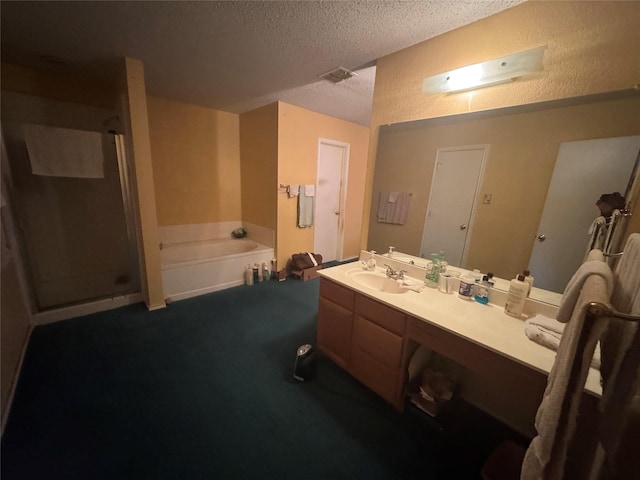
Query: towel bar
x=597 y=309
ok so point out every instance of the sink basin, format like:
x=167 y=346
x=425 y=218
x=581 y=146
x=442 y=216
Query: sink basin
x=376 y=281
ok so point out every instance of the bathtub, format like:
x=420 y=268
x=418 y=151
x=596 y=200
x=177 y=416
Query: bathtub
x=194 y=268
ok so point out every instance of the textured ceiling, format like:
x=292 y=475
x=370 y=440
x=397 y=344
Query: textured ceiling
x=237 y=55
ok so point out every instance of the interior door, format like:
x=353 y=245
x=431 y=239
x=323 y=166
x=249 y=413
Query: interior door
x=454 y=187
x=584 y=170
x=330 y=192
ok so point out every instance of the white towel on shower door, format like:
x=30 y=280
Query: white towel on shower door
x=64 y=152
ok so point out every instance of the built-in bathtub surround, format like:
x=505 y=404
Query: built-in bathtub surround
x=204 y=258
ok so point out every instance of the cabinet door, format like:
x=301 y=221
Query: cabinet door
x=377 y=354
x=376 y=358
x=334 y=331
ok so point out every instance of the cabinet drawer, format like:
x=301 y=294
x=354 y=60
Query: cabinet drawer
x=337 y=293
x=377 y=342
x=386 y=317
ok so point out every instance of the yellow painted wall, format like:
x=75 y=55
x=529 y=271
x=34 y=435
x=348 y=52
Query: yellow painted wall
x=196 y=163
x=259 y=166
x=298 y=135
x=592 y=48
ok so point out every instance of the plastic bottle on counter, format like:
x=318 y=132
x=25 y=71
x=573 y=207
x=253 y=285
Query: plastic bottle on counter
x=248 y=275
x=266 y=274
x=274 y=268
x=516 y=297
x=256 y=278
x=467 y=285
x=482 y=290
x=260 y=277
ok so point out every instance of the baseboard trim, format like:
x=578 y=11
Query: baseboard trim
x=203 y=291
x=65 y=313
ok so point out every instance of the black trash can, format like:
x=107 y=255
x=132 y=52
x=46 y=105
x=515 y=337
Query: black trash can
x=305 y=364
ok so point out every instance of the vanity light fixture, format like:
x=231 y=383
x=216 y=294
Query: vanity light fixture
x=485 y=74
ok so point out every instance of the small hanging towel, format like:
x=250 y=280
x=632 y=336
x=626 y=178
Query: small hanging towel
x=306 y=206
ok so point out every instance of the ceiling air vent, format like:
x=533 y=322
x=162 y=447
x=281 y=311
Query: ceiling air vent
x=338 y=74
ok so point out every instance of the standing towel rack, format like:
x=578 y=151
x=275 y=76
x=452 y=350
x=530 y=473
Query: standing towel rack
x=597 y=310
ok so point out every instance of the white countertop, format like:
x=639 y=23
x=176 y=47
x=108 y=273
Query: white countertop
x=485 y=325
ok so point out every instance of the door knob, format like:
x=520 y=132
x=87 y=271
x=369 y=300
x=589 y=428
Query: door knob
x=463 y=226
x=337 y=213
x=542 y=237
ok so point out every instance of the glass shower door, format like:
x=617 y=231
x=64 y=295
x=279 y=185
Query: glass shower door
x=75 y=235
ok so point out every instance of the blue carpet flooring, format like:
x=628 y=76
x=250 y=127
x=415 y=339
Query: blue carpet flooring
x=203 y=390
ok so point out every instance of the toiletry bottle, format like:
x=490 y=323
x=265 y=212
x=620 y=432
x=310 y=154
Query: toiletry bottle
x=516 y=297
x=371 y=263
x=390 y=253
x=255 y=273
x=260 y=277
x=266 y=274
x=433 y=271
x=248 y=275
x=482 y=291
x=274 y=268
x=467 y=283
x=529 y=279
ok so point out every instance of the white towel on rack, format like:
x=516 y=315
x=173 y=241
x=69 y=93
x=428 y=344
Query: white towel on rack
x=310 y=190
x=555 y=421
x=620 y=402
x=574 y=287
x=64 y=152
x=393 y=197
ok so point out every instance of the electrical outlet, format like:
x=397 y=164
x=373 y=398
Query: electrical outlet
x=486 y=198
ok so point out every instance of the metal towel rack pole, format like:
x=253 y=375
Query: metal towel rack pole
x=597 y=310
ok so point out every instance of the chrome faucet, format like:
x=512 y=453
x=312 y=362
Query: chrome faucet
x=395 y=275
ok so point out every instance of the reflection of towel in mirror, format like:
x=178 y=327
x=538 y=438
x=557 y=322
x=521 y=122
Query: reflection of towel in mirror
x=305 y=209
x=598 y=233
x=393 y=211
x=64 y=152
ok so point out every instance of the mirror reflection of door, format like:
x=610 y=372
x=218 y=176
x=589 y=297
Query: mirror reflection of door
x=584 y=170
x=332 y=161
x=454 y=187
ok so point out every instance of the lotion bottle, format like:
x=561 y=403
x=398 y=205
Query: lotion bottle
x=516 y=297
x=248 y=274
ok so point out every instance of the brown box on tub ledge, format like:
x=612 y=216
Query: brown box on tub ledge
x=307 y=273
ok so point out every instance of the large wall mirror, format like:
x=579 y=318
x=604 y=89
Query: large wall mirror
x=512 y=154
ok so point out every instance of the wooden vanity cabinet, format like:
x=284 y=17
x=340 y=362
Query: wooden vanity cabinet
x=364 y=337
x=335 y=322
